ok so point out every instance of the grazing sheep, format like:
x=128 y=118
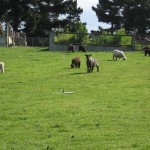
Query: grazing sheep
x=91 y=63
x=82 y=48
x=147 y=50
x=2 y=67
x=75 y=62
x=71 y=48
x=119 y=54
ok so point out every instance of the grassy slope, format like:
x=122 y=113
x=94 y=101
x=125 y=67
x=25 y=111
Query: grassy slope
x=109 y=110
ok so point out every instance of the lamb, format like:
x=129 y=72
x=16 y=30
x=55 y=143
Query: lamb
x=119 y=54
x=2 y=67
x=75 y=62
x=147 y=50
x=71 y=48
x=91 y=63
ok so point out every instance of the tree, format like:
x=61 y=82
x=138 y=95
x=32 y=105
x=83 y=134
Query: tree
x=82 y=33
x=38 y=16
x=129 y=14
x=72 y=10
x=136 y=15
x=16 y=11
x=109 y=11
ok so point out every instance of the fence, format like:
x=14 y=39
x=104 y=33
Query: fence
x=60 y=41
x=2 y=40
x=37 y=41
x=140 y=41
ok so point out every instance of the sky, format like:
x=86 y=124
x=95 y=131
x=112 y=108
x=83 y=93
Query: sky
x=89 y=16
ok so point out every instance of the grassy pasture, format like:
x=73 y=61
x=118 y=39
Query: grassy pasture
x=110 y=110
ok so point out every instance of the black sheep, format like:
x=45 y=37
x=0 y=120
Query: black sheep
x=71 y=48
x=82 y=48
x=147 y=50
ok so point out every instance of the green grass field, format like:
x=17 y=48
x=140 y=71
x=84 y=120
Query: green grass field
x=110 y=109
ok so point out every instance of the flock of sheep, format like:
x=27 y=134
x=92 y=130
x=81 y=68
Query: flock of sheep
x=92 y=62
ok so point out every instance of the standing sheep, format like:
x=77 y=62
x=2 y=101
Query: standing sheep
x=91 y=63
x=2 y=67
x=147 y=50
x=119 y=54
x=82 y=48
x=71 y=48
x=75 y=62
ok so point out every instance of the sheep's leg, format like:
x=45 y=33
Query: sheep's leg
x=79 y=65
x=88 y=69
x=1 y=69
x=97 y=68
x=76 y=65
x=113 y=57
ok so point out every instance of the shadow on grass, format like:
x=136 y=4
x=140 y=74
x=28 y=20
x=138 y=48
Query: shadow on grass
x=110 y=60
x=78 y=73
x=47 y=50
x=71 y=68
x=43 y=50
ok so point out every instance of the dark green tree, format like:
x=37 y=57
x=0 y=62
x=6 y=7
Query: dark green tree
x=38 y=16
x=130 y=14
x=136 y=15
x=16 y=11
x=109 y=11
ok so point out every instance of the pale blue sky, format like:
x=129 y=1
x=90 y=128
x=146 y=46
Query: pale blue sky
x=89 y=16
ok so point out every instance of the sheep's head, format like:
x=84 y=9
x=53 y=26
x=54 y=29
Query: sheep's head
x=124 y=58
x=72 y=65
x=88 y=56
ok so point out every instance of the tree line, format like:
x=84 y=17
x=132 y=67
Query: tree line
x=129 y=14
x=38 y=17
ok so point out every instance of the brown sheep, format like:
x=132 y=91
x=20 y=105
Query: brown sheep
x=75 y=63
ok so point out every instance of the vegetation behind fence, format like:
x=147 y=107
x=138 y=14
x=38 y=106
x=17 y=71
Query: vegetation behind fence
x=101 y=39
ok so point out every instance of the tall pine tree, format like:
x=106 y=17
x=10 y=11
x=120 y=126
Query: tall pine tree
x=136 y=15
x=39 y=16
x=109 y=11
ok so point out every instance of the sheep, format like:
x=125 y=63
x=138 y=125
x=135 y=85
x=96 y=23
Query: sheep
x=2 y=67
x=82 y=48
x=75 y=62
x=147 y=50
x=91 y=63
x=119 y=54
x=71 y=48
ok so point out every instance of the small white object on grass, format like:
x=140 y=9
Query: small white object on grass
x=63 y=91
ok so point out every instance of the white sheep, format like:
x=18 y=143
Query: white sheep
x=2 y=67
x=119 y=54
